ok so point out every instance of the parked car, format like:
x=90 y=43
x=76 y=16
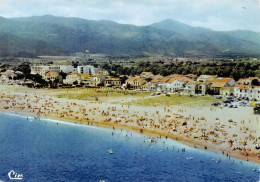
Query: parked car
x=218 y=96
x=257 y=110
x=227 y=101
x=216 y=104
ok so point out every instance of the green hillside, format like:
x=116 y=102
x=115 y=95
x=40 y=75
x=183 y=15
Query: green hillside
x=49 y=35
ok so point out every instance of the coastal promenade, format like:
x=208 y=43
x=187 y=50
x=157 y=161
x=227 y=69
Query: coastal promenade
x=232 y=132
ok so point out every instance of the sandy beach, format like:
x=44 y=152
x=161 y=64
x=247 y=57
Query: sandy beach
x=230 y=131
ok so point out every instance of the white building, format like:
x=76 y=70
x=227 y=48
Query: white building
x=172 y=85
x=89 y=69
x=229 y=81
x=41 y=70
x=71 y=78
x=189 y=88
x=66 y=68
x=247 y=91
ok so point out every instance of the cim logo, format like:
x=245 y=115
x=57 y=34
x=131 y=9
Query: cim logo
x=15 y=176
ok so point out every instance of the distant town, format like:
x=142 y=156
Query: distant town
x=69 y=76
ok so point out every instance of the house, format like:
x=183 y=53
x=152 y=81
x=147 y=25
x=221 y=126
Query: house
x=160 y=84
x=248 y=81
x=152 y=85
x=52 y=76
x=230 y=81
x=227 y=91
x=98 y=79
x=189 y=88
x=146 y=75
x=174 y=82
x=172 y=85
x=130 y=81
x=72 y=77
x=93 y=81
x=138 y=82
x=87 y=81
x=135 y=82
x=216 y=86
x=146 y=87
x=113 y=82
x=243 y=81
x=255 y=92
x=247 y=91
x=201 y=88
x=184 y=79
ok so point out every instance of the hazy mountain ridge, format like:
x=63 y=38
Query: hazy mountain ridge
x=241 y=40
x=59 y=35
x=16 y=46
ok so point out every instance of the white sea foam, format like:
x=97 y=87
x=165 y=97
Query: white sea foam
x=67 y=123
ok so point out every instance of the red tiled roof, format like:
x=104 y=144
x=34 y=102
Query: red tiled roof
x=112 y=79
x=227 y=79
x=131 y=79
x=245 y=87
x=218 y=84
x=164 y=80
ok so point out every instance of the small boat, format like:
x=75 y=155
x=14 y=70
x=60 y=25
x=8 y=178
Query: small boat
x=110 y=151
x=218 y=161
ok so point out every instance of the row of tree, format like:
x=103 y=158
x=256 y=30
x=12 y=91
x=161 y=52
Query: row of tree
x=228 y=69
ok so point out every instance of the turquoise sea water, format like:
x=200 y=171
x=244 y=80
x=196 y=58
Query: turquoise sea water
x=48 y=150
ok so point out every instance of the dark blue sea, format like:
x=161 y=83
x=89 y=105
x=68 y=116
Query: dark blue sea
x=49 y=150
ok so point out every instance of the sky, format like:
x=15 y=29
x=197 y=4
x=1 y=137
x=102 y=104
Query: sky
x=213 y=14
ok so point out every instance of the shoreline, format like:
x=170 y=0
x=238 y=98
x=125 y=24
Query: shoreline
x=232 y=132
x=147 y=132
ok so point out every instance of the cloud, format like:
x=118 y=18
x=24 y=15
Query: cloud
x=215 y=14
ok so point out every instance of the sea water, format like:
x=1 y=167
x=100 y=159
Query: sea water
x=49 y=150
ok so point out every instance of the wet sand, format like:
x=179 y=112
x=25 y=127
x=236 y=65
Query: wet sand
x=232 y=132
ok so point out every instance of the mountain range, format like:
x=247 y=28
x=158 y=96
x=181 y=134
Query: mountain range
x=50 y=35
